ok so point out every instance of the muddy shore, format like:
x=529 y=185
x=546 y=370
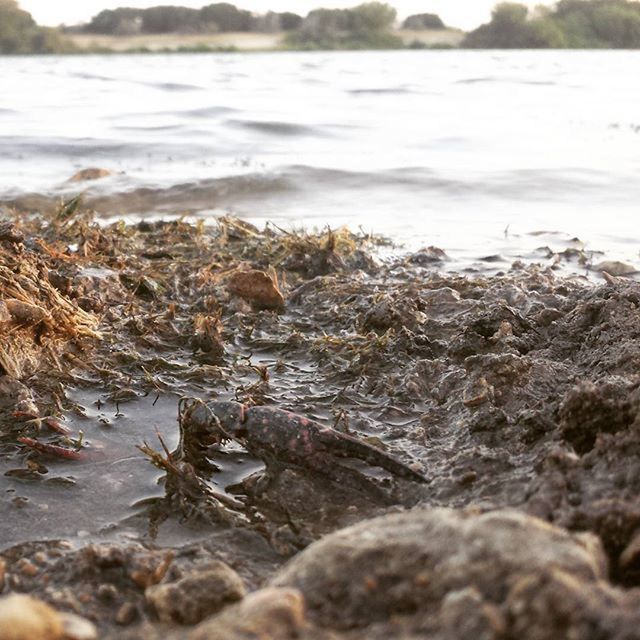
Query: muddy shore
x=516 y=396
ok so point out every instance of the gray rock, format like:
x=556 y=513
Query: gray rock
x=409 y=562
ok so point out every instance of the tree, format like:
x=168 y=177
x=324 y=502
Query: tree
x=290 y=21
x=19 y=33
x=365 y=26
x=170 y=19
x=371 y=17
x=325 y=24
x=421 y=21
x=511 y=28
x=112 y=21
x=227 y=16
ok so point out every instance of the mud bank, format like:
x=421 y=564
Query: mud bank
x=515 y=395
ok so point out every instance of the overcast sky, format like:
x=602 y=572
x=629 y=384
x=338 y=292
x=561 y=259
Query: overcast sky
x=459 y=13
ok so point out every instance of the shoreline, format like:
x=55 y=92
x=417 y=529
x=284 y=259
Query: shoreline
x=231 y=42
x=515 y=395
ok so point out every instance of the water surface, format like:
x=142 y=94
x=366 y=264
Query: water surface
x=468 y=150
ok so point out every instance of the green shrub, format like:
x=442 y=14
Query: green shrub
x=571 y=23
x=20 y=34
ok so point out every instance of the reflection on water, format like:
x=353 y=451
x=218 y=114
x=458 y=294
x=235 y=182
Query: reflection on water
x=471 y=151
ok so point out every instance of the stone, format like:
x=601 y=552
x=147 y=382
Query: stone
x=555 y=604
x=615 y=268
x=409 y=562
x=126 y=614
x=256 y=287
x=197 y=595
x=15 y=396
x=77 y=628
x=24 y=313
x=268 y=614
x=25 y=618
x=91 y=173
x=464 y=614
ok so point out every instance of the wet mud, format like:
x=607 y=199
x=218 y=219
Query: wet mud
x=516 y=396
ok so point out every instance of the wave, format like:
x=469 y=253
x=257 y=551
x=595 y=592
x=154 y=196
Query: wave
x=125 y=196
x=62 y=147
x=476 y=80
x=204 y=112
x=190 y=196
x=83 y=75
x=544 y=83
x=96 y=150
x=277 y=128
x=174 y=86
x=379 y=91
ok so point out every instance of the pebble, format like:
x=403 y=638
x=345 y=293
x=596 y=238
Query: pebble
x=77 y=628
x=268 y=614
x=197 y=595
x=25 y=618
x=615 y=268
x=126 y=614
x=91 y=173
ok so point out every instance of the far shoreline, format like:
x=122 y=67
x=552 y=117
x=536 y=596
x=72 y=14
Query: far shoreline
x=248 y=42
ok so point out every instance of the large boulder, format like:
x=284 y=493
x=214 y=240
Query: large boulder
x=409 y=562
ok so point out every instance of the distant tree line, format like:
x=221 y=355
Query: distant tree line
x=19 y=33
x=583 y=24
x=368 y=25
x=220 y=17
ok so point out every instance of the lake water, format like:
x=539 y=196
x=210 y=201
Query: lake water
x=475 y=152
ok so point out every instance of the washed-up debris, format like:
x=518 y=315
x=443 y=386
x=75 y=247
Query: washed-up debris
x=516 y=391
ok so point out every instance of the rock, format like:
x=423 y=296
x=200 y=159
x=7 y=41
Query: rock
x=15 y=396
x=555 y=605
x=428 y=256
x=615 y=268
x=5 y=315
x=197 y=595
x=268 y=614
x=25 y=618
x=256 y=287
x=589 y=409
x=10 y=233
x=630 y=557
x=407 y=562
x=91 y=173
x=464 y=614
x=149 y=569
x=477 y=392
x=77 y=628
x=26 y=314
x=126 y=614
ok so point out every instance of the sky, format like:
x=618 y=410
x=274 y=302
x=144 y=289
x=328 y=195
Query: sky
x=466 y=14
